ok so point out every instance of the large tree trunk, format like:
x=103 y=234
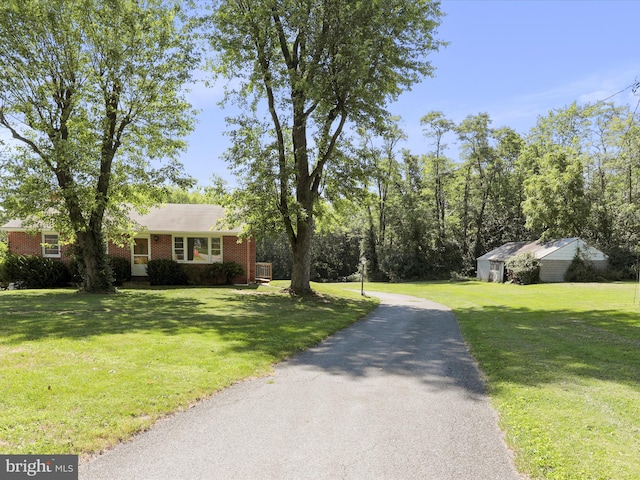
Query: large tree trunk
x=96 y=272
x=301 y=251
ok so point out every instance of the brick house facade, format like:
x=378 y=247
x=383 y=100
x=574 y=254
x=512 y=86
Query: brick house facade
x=185 y=233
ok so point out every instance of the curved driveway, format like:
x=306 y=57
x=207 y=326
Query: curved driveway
x=394 y=396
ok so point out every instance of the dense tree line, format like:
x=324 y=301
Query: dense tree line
x=92 y=94
x=428 y=215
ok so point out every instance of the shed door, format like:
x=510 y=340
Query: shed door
x=140 y=257
x=496 y=272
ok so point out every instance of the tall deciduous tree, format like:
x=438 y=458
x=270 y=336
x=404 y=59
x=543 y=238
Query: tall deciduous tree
x=438 y=166
x=91 y=91
x=505 y=221
x=555 y=203
x=596 y=152
x=317 y=65
x=384 y=173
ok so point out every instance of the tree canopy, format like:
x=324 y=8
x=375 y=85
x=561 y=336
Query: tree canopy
x=92 y=92
x=307 y=69
x=430 y=214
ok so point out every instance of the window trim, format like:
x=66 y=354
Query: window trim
x=44 y=244
x=184 y=238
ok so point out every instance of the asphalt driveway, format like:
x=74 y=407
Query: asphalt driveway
x=395 y=396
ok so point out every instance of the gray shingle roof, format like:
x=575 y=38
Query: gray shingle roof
x=170 y=218
x=191 y=218
x=539 y=249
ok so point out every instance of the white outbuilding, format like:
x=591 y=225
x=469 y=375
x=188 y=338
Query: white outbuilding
x=555 y=257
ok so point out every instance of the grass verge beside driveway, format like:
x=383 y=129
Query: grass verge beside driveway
x=79 y=373
x=562 y=363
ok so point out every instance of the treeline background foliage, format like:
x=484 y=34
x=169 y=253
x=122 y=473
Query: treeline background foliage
x=430 y=215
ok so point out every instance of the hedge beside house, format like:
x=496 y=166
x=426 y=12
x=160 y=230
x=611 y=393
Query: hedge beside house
x=32 y=271
x=523 y=269
x=166 y=272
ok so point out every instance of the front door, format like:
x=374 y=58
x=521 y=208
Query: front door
x=140 y=254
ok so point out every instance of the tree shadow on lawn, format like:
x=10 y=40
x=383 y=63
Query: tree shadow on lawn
x=72 y=315
x=273 y=323
x=395 y=340
x=512 y=345
x=530 y=347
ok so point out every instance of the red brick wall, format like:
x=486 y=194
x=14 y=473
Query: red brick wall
x=161 y=248
x=232 y=251
x=118 y=251
x=22 y=243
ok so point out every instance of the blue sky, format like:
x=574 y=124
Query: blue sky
x=515 y=60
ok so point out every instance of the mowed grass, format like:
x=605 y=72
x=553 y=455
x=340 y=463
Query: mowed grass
x=79 y=373
x=562 y=363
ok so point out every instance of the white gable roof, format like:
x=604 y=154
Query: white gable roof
x=542 y=249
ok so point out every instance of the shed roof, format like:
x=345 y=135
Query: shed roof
x=168 y=218
x=537 y=248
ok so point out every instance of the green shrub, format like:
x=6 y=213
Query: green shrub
x=224 y=272
x=166 y=272
x=232 y=270
x=4 y=252
x=277 y=251
x=334 y=255
x=404 y=265
x=622 y=264
x=354 y=277
x=216 y=274
x=30 y=271
x=74 y=269
x=523 y=269
x=581 y=269
x=121 y=269
x=197 y=274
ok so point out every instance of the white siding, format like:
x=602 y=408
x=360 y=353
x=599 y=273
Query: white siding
x=553 y=271
x=554 y=266
x=593 y=254
x=568 y=252
x=496 y=271
x=490 y=270
x=483 y=271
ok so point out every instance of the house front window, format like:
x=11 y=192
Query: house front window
x=197 y=249
x=216 y=247
x=178 y=249
x=51 y=245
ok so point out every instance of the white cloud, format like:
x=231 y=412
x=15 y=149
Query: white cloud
x=613 y=86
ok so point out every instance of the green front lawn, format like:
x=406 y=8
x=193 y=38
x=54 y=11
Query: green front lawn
x=79 y=373
x=563 y=368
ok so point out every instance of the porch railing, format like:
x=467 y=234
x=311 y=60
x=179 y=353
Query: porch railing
x=263 y=272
